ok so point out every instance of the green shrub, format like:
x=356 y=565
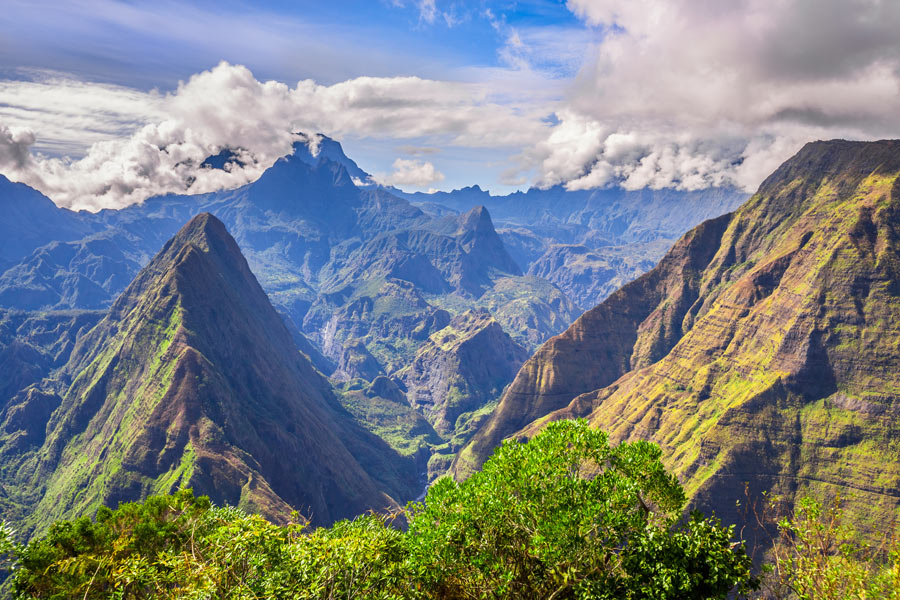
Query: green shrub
x=819 y=556
x=563 y=516
x=567 y=516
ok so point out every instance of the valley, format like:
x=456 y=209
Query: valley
x=414 y=319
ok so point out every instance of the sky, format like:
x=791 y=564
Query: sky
x=104 y=103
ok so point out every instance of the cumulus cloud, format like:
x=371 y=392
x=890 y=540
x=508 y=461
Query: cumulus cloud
x=651 y=93
x=691 y=94
x=227 y=107
x=411 y=172
x=15 y=147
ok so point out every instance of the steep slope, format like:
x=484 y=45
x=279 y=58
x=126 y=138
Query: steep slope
x=590 y=276
x=603 y=344
x=192 y=379
x=460 y=369
x=762 y=349
x=86 y=273
x=32 y=345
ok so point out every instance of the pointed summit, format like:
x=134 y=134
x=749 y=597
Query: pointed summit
x=193 y=380
x=315 y=148
x=480 y=239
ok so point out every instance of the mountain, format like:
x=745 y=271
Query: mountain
x=590 y=242
x=762 y=348
x=361 y=277
x=30 y=220
x=310 y=234
x=193 y=379
x=461 y=368
x=589 y=275
x=316 y=147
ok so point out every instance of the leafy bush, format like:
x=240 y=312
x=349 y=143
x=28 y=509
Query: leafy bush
x=181 y=547
x=563 y=516
x=818 y=556
x=567 y=516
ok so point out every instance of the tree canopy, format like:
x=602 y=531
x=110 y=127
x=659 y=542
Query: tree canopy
x=564 y=515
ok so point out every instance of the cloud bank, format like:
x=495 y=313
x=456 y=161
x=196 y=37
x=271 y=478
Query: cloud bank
x=226 y=107
x=690 y=94
x=667 y=93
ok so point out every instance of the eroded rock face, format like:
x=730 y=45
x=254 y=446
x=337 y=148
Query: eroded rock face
x=762 y=349
x=460 y=369
x=591 y=275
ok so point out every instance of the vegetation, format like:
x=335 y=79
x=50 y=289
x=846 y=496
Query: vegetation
x=818 y=555
x=563 y=516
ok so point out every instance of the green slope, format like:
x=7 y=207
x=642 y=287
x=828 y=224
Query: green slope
x=764 y=348
x=192 y=379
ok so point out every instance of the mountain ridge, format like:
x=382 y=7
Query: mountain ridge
x=773 y=363
x=192 y=379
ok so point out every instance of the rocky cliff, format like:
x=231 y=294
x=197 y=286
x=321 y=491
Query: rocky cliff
x=763 y=349
x=460 y=369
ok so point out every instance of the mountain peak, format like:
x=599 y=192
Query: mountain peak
x=478 y=236
x=314 y=148
x=192 y=379
x=477 y=220
x=759 y=352
x=202 y=230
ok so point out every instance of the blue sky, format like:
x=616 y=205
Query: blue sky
x=152 y=46
x=106 y=102
x=156 y=44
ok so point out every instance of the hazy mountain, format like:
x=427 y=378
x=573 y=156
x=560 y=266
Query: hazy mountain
x=30 y=220
x=761 y=349
x=591 y=242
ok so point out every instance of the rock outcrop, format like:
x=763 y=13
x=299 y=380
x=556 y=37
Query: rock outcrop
x=460 y=369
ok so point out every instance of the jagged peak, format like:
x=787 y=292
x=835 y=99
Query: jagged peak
x=315 y=148
x=204 y=238
x=477 y=220
x=204 y=231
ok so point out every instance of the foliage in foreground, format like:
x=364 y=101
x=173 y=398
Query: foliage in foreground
x=563 y=516
x=818 y=556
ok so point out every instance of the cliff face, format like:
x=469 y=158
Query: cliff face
x=460 y=369
x=762 y=349
x=637 y=325
x=192 y=379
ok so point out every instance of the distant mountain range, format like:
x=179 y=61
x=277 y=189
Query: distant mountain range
x=420 y=312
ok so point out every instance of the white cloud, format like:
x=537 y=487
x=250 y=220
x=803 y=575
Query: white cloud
x=427 y=11
x=411 y=172
x=690 y=94
x=70 y=114
x=668 y=93
x=226 y=107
